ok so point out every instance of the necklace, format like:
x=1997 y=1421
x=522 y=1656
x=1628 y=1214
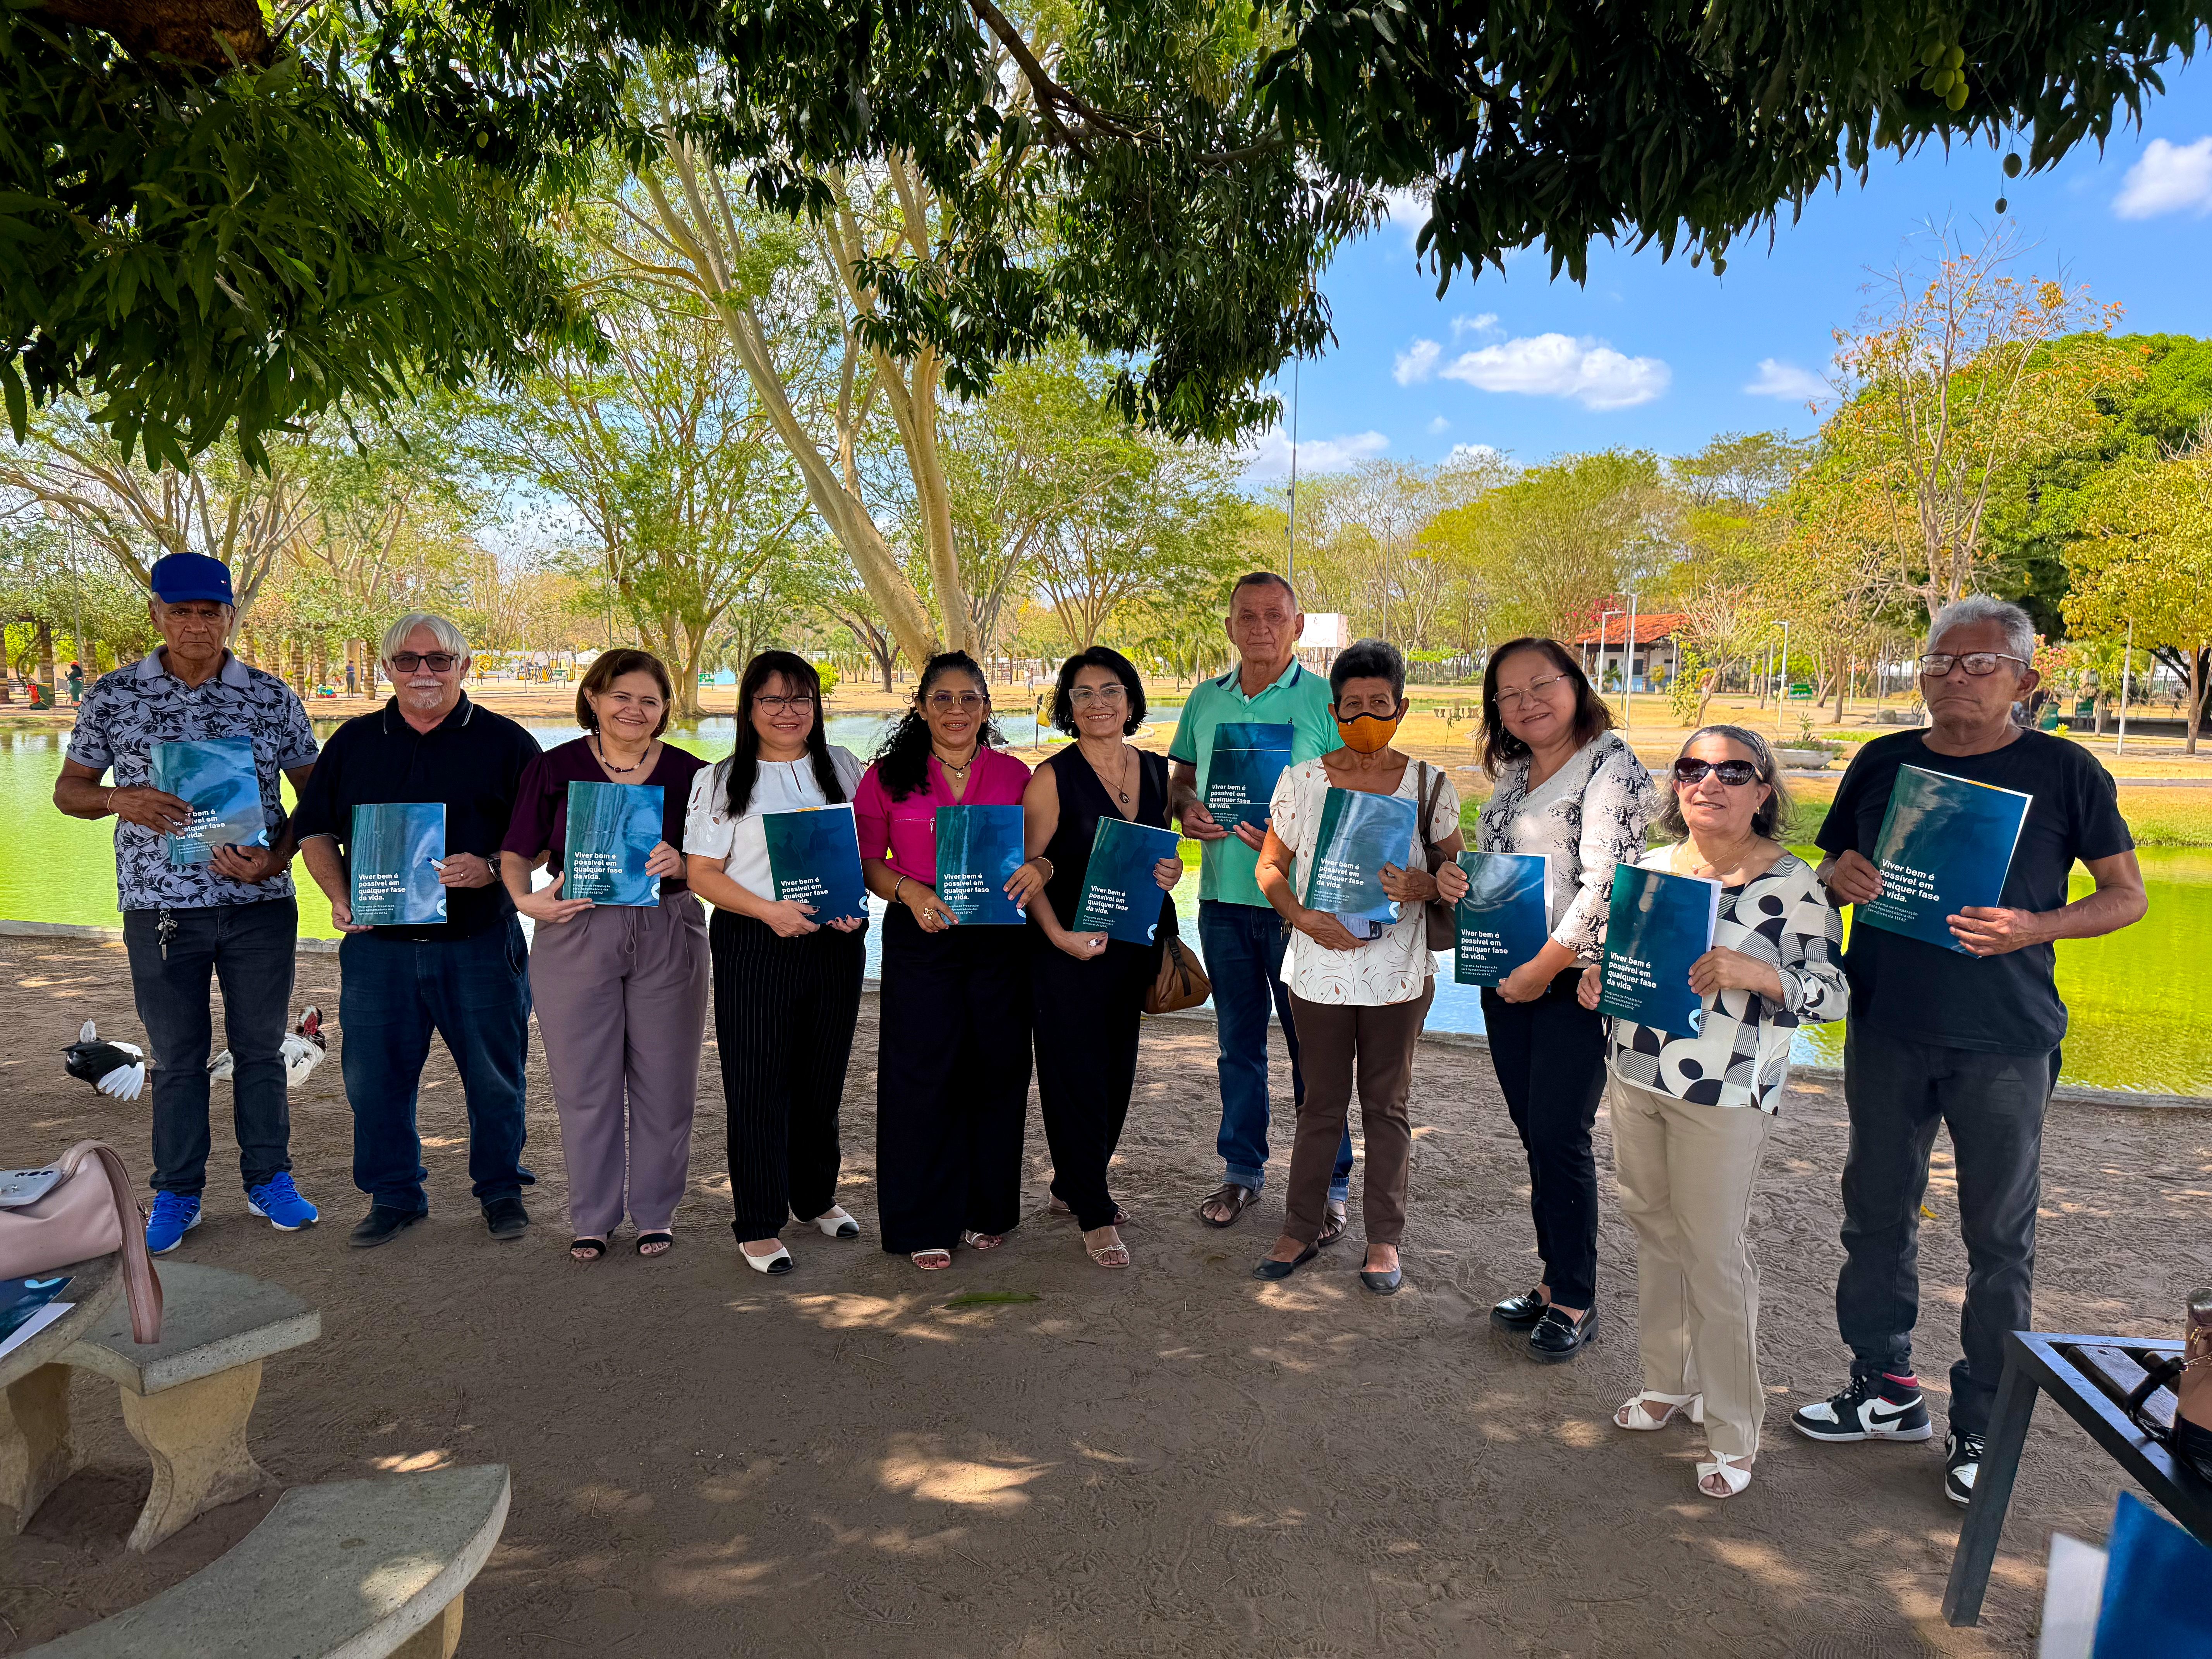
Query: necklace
x=599 y=750
x=959 y=772
x=1120 y=793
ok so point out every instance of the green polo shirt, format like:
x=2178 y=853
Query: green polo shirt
x=1301 y=700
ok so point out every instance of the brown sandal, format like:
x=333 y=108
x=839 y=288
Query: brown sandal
x=1239 y=1199
x=1334 y=1224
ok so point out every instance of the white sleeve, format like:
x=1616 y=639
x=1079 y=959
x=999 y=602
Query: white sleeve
x=706 y=831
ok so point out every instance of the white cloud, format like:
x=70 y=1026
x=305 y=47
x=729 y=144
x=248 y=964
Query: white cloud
x=1418 y=363
x=1463 y=326
x=1776 y=379
x=2169 y=178
x=1438 y=423
x=1267 y=458
x=1555 y=365
x=1407 y=211
x=1475 y=452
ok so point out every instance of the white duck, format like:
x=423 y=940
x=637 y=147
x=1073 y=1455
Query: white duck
x=113 y=1068
x=304 y=1049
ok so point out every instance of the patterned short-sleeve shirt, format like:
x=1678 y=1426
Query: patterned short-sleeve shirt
x=126 y=712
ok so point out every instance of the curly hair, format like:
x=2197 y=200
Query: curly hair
x=902 y=759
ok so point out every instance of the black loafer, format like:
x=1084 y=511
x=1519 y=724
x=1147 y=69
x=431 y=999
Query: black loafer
x=1558 y=1338
x=1519 y=1313
x=1382 y=1284
x=1271 y=1268
x=506 y=1217
x=383 y=1224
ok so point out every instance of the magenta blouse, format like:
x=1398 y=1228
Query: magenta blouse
x=903 y=833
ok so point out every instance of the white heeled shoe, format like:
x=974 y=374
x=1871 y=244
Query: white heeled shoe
x=1635 y=1413
x=834 y=1223
x=1734 y=1476
x=779 y=1263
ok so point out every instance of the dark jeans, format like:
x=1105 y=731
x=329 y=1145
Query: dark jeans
x=1896 y=1093
x=1550 y=1057
x=249 y=948
x=475 y=994
x=1243 y=944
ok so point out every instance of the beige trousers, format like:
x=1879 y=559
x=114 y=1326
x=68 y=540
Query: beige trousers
x=1687 y=1174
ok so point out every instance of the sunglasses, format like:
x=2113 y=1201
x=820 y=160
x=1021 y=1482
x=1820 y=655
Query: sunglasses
x=437 y=662
x=1735 y=773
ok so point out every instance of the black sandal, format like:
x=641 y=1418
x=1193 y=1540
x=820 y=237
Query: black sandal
x=644 y=1239
x=1238 y=1198
x=598 y=1247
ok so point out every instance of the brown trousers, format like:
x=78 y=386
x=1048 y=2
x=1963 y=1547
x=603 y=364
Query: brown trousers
x=1335 y=1040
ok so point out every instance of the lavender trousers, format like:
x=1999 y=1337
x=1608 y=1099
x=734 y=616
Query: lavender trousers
x=620 y=997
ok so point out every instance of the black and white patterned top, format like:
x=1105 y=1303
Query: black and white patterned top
x=1589 y=815
x=128 y=712
x=1740 y=1055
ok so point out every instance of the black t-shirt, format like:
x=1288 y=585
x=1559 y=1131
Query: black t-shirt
x=472 y=761
x=2006 y=1004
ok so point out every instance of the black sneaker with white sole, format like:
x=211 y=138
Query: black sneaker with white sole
x=1875 y=1407
x=1962 y=1461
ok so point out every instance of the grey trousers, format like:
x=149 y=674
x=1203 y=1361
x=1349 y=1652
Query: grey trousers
x=1897 y=1092
x=621 y=995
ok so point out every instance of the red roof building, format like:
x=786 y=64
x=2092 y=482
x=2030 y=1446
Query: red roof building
x=1650 y=629
x=1653 y=659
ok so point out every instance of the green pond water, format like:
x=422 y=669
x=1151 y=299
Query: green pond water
x=2134 y=1023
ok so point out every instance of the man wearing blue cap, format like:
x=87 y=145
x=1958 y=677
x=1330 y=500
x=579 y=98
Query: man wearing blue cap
x=189 y=910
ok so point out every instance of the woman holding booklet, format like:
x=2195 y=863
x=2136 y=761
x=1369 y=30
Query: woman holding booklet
x=1361 y=828
x=1101 y=863
x=618 y=965
x=786 y=982
x=1570 y=789
x=1691 y=1112
x=952 y=1075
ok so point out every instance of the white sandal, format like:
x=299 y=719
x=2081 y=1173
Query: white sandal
x=779 y=1261
x=1635 y=1413
x=931 y=1261
x=1734 y=1476
x=834 y=1223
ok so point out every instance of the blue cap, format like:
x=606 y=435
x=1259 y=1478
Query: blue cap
x=182 y=576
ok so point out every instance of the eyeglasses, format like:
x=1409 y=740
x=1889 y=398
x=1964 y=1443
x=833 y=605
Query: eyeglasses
x=1085 y=695
x=798 y=705
x=945 y=701
x=437 y=662
x=1735 y=773
x=1937 y=664
x=1507 y=700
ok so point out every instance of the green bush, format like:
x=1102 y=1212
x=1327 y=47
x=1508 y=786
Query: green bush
x=829 y=674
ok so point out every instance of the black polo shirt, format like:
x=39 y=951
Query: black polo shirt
x=471 y=761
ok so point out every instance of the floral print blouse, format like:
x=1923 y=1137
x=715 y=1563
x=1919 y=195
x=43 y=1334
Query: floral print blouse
x=1589 y=815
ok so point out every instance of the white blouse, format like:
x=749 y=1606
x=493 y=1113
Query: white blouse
x=740 y=842
x=1395 y=964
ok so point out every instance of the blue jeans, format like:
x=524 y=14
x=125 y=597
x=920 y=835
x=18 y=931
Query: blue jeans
x=1243 y=944
x=475 y=994
x=249 y=948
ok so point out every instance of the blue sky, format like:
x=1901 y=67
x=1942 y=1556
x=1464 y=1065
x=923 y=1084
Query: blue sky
x=1652 y=354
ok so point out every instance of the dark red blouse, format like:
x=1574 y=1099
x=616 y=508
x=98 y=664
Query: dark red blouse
x=541 y=807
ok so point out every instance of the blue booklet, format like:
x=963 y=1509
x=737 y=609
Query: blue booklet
x=978 y=850
x=1505 y=917
x=814 y=856
x=394 y=855
x=1249 y=756
x=1359 y=834
x=216 y=776
x=1946 y=843
x=1120 y=897
x=612 y=828
x=21 y=1299
x=1660 y=924
x=2154 y=1594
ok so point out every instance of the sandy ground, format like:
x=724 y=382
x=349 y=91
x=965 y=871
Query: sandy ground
x=1172 y=1459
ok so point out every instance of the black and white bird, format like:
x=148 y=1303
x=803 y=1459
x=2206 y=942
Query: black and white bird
x=113 y=1068
x=304 y=1049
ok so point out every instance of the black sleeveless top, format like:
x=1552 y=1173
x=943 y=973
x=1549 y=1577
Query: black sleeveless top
x=1083 y=799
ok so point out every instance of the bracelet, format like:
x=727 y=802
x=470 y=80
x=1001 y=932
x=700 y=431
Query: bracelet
x=1049 y=870
x=895 y=885
x=108 y=805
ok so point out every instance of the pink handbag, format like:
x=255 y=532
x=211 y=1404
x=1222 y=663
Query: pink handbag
x=86 y=1213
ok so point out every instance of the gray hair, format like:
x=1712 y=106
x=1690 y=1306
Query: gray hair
x=2019 y=627
x=1778 y=808
x=449 y=637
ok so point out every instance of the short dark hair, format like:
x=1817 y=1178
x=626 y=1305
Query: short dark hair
x=610 y=666
x=1263 y=578
x=1368 y=660
x=1098 y=656
x=1500 y=745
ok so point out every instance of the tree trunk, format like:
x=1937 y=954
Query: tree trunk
x=2195 y=699
x=44 y=638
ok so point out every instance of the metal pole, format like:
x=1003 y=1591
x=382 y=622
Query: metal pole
x=1781 y=680
x=1602 y=617
x=1291 y=575
x=2127 y=662
x=1628 y=672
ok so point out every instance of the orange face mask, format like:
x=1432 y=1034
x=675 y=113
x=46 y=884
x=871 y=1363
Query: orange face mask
x=1366 y=734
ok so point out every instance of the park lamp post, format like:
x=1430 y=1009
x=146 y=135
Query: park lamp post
x=1781 y=680
x=2127 y=662
x=1628 y=672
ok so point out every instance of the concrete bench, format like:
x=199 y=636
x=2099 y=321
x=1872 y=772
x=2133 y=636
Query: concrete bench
x=357 y=1568
x=186 y=1398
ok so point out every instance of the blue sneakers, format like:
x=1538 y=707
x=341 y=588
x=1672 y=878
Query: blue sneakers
x=173 y=1217
x=278 y=1202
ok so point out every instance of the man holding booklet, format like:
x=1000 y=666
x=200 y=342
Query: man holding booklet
x=203 y=875
x=405 y=811
x=1954 y=844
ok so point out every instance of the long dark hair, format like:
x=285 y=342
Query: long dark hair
x=901 y=760
x=1500 y=745
x=744 y=759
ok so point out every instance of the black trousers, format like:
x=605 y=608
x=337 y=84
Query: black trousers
x=1896 y=1092
x=1087 y=1016
x=784 y=1012
x=1550 y=1057
x=952 y=1082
